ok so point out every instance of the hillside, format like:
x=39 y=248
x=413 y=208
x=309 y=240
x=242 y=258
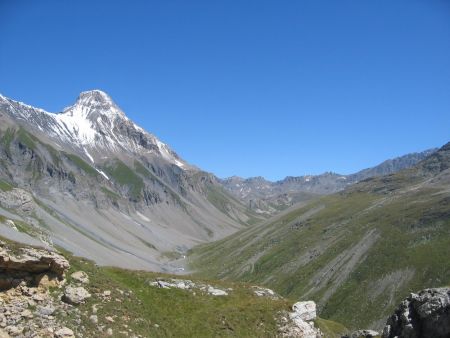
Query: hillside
x=357 y=253
x=91 y=181
x=75 y=298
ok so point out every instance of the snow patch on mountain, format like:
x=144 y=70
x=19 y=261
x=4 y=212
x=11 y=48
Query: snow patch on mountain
x=88 y=155
x=166 y=153
x=102 y=173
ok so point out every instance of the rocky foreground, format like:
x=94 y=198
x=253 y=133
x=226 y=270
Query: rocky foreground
x=426 y=314
x=37 y=299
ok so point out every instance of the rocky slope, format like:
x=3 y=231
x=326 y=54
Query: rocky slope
x=90 y=180
x=357 y=253
x=266 y=197
x=87 y=301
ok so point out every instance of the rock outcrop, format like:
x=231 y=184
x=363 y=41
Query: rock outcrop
x=75 y=295
x=189 y=285
x=64 y=333
x=30 y=265
x=17 y=199
x=305 y=310
x=265 y=292
x=422 y=315
x=301 y=323
x=80 y=277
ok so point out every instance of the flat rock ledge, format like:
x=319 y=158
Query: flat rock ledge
x=30 y=265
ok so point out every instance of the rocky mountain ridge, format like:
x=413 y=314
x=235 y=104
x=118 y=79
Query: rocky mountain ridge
x=270 y=197
x=94 y=126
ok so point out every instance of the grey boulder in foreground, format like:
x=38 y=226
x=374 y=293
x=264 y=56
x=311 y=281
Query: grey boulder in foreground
x=422 y=315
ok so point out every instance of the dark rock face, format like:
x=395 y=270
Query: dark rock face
x=423 y=315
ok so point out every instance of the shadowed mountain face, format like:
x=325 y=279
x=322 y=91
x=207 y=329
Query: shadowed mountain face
x=266 y=197
x=90 y=180
x=357 y=252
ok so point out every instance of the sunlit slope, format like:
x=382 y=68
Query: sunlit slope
x=357 y=253
x=129 y=303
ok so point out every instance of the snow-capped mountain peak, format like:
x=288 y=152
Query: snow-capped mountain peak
x=94 y=102
x=94 y=125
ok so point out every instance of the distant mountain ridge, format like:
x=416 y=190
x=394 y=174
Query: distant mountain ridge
x=270 y=197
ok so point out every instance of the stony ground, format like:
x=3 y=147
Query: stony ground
x=41 y=295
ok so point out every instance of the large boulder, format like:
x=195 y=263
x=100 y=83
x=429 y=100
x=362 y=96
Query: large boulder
x=64 y=333
x=34 y=261
x=75 y=295
x=80 y=277
x=305 y=310
x=422 y=315
x=302 y=321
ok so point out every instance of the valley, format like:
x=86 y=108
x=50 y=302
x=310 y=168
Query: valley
x=357 y=253
x=123 y=207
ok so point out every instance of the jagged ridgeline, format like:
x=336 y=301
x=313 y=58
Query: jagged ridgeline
x=90 y=180
x=357 y=253
x=266 y=197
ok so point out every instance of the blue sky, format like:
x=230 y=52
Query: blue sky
x=270 y=88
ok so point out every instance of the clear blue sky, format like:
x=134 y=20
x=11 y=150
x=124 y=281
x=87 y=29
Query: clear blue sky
x=269 y=88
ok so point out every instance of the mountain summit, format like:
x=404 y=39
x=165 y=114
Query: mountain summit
x=93 y=125
x=94 y=102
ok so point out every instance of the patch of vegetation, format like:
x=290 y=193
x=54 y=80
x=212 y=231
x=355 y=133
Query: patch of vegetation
x=5 y=186
x=156 y=312
x=218 y=198
x=330 y=329
x=55 y=155
x=23 y=227
x=140 y=169
x=83 y=165
x=6 y=140
x=110 y=194
x=125 y=176
x=26 y=139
